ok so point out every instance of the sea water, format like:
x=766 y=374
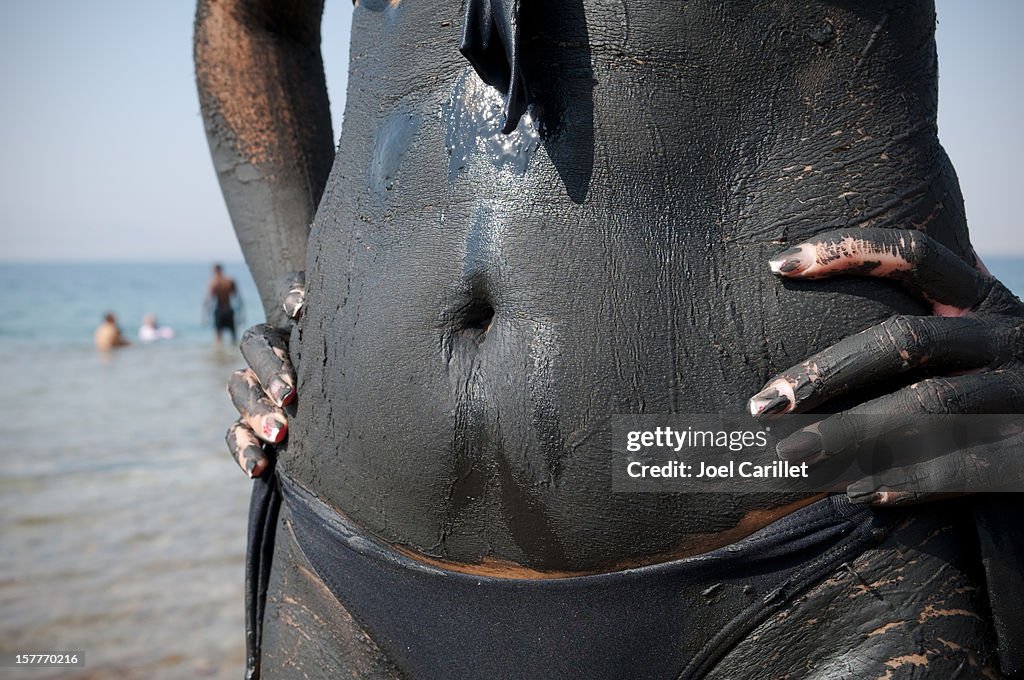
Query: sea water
x=122 y=517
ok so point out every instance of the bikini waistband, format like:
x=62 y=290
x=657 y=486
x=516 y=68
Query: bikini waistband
x=668 y=620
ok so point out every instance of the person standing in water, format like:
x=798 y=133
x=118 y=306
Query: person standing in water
x=220 y=292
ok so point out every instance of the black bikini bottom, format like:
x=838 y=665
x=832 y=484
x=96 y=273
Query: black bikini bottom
x=665 y=621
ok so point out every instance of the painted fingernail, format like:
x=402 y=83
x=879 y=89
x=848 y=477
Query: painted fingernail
x=792 y=261
x=252 y=457
x=800 y=446
x=768 y=402
x=274 y=429
x=281 y=392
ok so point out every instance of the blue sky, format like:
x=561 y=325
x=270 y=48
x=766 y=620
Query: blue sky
x=104 y=156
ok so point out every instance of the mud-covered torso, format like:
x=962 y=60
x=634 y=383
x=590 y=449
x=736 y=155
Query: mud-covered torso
x=481 y=305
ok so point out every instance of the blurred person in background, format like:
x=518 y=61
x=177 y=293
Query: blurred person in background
x=108 y=336
x=223 y=293
x=151 y=331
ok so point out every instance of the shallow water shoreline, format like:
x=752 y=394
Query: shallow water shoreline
x=122 y=516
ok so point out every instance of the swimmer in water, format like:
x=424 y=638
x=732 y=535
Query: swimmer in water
x=151 y=331
x=108 y=335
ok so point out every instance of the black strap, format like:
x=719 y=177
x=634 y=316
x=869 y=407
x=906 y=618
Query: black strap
x=263 y=508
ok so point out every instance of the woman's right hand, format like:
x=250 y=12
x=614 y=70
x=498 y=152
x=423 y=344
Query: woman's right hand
x=261 y=391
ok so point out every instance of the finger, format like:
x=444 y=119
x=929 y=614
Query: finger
x=1000 y=391
x=293 y=293
x=263 y=417
x=289 y=292
x=246 y=449
x=893 y=347
x=266 y=352
x=923 y=265
x=990 y=466
x=888 y=498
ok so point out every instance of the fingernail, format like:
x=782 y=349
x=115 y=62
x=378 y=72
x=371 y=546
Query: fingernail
x=893 y=498
x=250 y=463
x=800 y=446
x=768 y=402
x=282 y=392
x=273 y=429
x=293 y=303
x=792 y=261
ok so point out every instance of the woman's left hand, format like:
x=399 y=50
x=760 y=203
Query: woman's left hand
x=972 y=349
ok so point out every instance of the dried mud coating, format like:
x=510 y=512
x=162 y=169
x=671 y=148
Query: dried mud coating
x=902 y=344
x=264 y=102
x=245 y=449
x=913 y=258
x=264 y=418
x=266 y=352
x=259 y=397
x=911 y=608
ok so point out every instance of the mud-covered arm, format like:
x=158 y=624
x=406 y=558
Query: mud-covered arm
x=264 y=104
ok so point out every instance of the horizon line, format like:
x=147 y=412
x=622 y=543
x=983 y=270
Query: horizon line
x=190 y=260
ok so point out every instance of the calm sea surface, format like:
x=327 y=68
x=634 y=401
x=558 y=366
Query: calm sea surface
x=122 y=518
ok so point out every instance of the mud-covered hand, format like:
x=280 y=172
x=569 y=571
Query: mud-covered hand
x=971 y=352
x=261 y=391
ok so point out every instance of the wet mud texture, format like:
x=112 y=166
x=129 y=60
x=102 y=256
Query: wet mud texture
x=480 y=304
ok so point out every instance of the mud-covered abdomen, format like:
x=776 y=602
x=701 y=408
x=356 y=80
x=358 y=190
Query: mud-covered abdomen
x=480 y=305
